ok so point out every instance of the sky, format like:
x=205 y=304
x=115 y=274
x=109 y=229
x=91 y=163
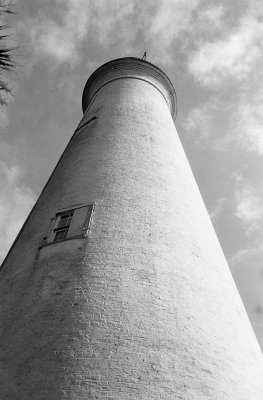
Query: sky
x=212 y=52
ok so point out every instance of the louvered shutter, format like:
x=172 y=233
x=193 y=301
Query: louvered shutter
x=80 y=221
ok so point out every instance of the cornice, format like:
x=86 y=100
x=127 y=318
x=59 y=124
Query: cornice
x=129 y=68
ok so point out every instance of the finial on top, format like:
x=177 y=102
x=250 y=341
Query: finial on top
x=144 y=56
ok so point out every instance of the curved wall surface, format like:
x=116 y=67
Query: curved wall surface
x=139 y=303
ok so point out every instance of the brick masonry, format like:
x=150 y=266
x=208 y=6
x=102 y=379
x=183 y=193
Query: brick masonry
x=144 y=307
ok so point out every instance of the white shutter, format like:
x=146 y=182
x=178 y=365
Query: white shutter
x=80 y=221
x=51 y=234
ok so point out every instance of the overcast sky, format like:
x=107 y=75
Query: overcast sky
x=212 y=52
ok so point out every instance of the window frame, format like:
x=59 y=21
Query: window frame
x=62 y=227
x=55 y=228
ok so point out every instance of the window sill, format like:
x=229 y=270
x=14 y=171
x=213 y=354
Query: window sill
x=83 y=236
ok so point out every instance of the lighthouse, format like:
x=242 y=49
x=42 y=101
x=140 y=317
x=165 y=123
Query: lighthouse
x=116 y=287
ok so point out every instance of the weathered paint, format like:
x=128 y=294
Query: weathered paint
x=144 y=307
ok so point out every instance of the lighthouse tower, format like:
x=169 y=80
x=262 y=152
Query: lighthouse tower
x=116 y=287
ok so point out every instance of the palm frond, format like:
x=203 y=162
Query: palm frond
x=6 y=60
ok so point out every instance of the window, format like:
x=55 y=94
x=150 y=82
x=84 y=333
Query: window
x=69 y=224
x=62 y=226
x=86 y=123
x=65 y=220
x=60 y=235
x=88 y=119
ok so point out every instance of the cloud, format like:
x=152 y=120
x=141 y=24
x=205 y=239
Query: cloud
x=249 y=207
x=171 y=19
x=15 y=203
x=246 y=263
x=151 y=25
x=60 y=34
x=218 y=208
x=208 y=124
x=4 y=119
x=230 y=122
x=212 y=15
x=232 y=57
x=207 y=22
x=247 y=119
x=199 y=121
x=246 y=267
x=131 y=26
x=237 y=257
